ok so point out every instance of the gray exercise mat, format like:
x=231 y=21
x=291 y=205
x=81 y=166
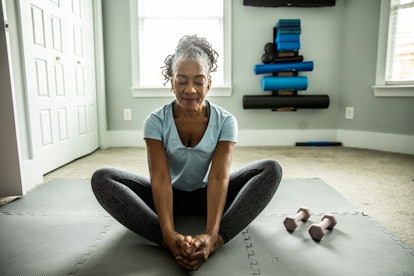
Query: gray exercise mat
x=60 y=229
x=312 y=193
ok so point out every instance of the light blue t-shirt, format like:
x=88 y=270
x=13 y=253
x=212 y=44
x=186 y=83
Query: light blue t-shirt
x=189 y=167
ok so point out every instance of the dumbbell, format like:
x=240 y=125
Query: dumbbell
x=267 y=58
x=292 y=222
x=270 y=49
x=317 y=230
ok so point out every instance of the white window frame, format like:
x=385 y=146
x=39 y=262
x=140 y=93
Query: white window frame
x=381 y=89
x=224 y=90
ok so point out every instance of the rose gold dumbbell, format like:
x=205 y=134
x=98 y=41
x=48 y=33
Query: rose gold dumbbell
x=317 y=230
x=292 y=222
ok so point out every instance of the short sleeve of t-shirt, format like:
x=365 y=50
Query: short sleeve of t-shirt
x=229 y=130
x=153 y=126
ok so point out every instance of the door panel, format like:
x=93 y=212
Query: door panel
x=59 y=80
x=63 y=126
x=80 y=81
x=56 y=33
x=46 y=127
x=42 y=86
x=38 y=26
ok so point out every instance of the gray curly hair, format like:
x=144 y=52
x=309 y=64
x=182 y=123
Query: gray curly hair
x=190 y=47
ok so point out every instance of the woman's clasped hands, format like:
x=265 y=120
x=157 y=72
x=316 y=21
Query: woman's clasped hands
x=192 y=252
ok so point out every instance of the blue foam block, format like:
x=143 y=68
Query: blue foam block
x=287 y=46
x=287 y=38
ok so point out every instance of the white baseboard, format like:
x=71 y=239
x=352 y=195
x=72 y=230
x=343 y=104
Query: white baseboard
x=249 y=137
x=287 y=137
x=31 y=175
x=377 y=141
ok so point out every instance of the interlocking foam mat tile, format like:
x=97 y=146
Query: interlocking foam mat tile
x=60 y=229
x=47 y=245
x=355 y=246
x=59 y=196
x=312 y=193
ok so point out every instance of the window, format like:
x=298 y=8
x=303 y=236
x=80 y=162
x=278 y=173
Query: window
x=400 y=54
x=155 y=33
x=395 y=60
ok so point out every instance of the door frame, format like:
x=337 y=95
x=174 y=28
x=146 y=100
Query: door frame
x=10 y=166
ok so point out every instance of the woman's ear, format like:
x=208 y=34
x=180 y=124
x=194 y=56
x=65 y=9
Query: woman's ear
x=209 y=83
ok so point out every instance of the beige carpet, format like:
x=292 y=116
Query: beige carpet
x=381 y=184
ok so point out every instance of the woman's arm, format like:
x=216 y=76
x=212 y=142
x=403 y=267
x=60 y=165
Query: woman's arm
x=160 y=185
x=163 y=196
x=218 y=181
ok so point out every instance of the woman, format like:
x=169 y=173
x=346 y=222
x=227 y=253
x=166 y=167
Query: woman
x=190 y=144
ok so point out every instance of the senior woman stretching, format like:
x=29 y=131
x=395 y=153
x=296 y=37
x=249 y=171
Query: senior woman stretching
x=190 y=144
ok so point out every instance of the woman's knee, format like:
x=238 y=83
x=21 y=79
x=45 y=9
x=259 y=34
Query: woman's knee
x=271 y=175
x=271 y=167
x=99 y=175
x=102 y=177
x=102 y=173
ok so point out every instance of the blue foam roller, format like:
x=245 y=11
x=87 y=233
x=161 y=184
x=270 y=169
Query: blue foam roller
x=319 y=143
x=283 y=67
x=278 y=83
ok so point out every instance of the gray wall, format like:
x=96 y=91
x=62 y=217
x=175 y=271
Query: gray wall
x=375 y=114
x=341 y=40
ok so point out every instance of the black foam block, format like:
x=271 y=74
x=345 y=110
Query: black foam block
x=274 y=102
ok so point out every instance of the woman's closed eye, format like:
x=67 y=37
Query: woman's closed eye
x=196 y=82
x=200 y=81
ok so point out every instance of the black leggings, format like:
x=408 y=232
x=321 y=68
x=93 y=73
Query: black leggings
x=128 y=198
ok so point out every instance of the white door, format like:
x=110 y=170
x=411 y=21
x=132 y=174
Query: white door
x=58 y=52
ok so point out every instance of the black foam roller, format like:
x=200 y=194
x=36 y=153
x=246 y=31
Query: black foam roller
x=275 y=102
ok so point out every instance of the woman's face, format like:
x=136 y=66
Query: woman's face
x=190 y=84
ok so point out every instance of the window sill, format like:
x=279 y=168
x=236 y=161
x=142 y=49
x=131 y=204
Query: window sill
x=163 y=92
x=393 y=90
